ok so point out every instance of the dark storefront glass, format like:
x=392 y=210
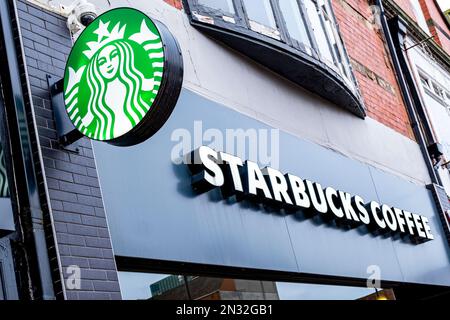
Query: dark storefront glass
x=2 y=285
x=143 y=286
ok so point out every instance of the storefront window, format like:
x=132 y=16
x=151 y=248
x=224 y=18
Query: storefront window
x=294 y=21
x=6 y=220
x=224 y=5
x=145 y=286
x=7 y=280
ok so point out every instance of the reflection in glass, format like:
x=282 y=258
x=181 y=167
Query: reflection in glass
x=138 y=286
x=4 y=191
x=294 y=21
x=223 y=5
x=207 y=288
x=319 y=32
x=307 y=25
x=176 y=287
x=2 y=287
x=304 y=291
x=260 y=12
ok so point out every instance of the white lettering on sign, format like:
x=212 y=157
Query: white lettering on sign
x=245 y=180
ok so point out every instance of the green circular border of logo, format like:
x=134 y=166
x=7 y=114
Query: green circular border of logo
x=168 y=92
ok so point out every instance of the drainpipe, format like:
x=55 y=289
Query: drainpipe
x=407 y=86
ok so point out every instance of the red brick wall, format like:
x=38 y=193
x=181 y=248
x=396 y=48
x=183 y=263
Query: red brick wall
x=365 y=45
x=441 y=33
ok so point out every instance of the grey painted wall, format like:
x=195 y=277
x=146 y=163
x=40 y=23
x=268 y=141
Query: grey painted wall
x=153 y=212
x=75 y=202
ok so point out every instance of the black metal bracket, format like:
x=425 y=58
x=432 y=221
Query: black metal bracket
x=68 y=135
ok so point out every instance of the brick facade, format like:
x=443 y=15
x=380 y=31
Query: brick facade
x=436 y=24
x=82 y=236
x=365 y=45
x=370 y=57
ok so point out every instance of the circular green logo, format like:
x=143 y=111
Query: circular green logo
x=114 y=74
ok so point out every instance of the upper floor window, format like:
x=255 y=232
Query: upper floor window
x=260 y=16
x=306 y=25
x=303 y=28
x=435 y=90
x=295 y=23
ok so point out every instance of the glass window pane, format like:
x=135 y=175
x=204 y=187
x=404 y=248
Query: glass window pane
x=6 y=211
x=303 y=291
x=145 y=286
x=223 y=5
x=174 y=287
x=424 y=81
x=261 y=12
x=419 y=15
x=294 y=21
x=319 y=32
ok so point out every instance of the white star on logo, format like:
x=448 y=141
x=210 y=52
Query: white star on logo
x=102 y=30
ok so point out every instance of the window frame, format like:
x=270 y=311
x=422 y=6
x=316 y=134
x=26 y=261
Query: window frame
x=339 y=53
x=282 y=35
x=430 y=88
x=294 y=42
x=343 y=88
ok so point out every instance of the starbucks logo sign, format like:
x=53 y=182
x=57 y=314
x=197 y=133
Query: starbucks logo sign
x=123 y=78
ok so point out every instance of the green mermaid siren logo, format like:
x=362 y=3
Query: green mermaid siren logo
x=114 y=74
